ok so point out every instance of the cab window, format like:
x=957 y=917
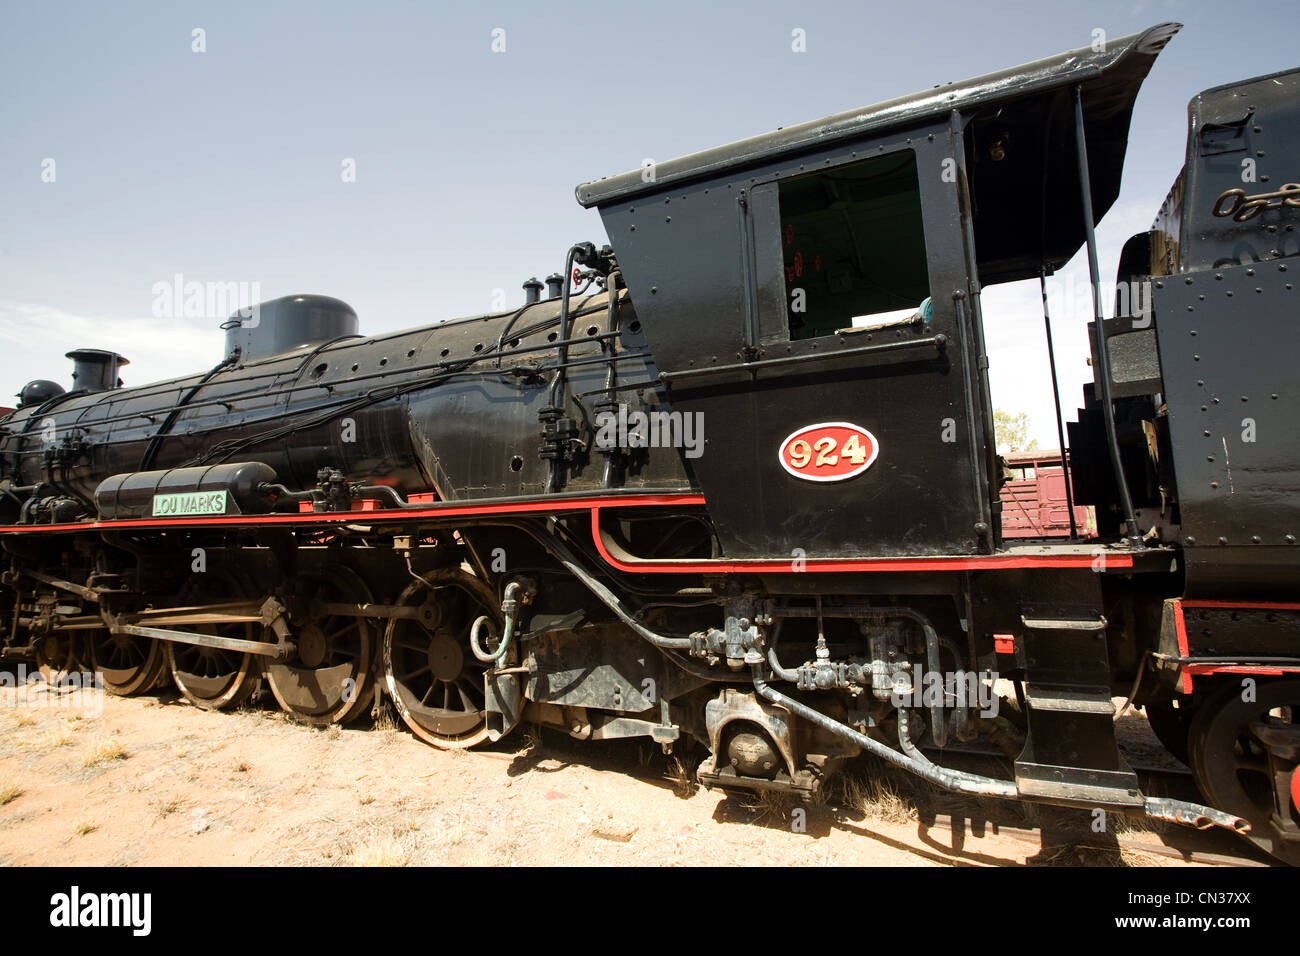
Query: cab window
x=854 y=247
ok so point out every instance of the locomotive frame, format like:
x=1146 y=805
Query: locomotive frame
x=348 y=516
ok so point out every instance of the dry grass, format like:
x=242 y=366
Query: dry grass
x=876 y=798
x=383 y=851
x=102 y=751
x=56 y=737
x=772 y=807
x=9 y=792
x=1122 y=824
x=85 y=827
x=166 y=806
x=682 y=778
x=1082 y=854
x=23 y=718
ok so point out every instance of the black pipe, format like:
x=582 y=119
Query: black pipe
x=772 y=660
x=918 y=764
x=566 y=558
x=937 y=342
x=1056 y=397
x=1100 y=349
x=611 y=373
x=555 y=398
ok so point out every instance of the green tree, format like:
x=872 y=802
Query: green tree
x=1012 y=432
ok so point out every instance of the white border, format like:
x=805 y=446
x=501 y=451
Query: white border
x=875 y=451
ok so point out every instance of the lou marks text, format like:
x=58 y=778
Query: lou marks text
x=77 y=909
x=189 y=503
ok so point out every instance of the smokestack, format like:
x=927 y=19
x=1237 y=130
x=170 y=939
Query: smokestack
x=532 y=291
x=95 y=370
x=554 y=285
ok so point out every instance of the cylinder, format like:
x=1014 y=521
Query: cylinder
x=234 y=488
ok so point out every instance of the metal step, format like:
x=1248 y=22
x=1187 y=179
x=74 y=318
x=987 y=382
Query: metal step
x=1070 y=754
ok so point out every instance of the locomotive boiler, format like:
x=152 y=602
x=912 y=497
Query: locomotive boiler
x=735 y=480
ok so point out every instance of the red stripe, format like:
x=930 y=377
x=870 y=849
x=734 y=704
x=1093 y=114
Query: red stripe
x=552 y=505
x=991 y=562
x=1246 y=605
x=1180 y=629
x=347 y=517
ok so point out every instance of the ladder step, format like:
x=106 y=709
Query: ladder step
x=1082 y=787
x=1069 y=700
x=1061 y=624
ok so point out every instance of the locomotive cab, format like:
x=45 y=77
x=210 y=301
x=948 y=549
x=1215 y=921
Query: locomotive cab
x=840 y=264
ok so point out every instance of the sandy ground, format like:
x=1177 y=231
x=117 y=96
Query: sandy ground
x=153 y=780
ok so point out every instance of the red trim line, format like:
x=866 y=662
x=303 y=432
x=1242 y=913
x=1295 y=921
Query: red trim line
x=1005 y=562
x=447 y=510
x=1180 y=629
x=992 y=562
x=1246 y=605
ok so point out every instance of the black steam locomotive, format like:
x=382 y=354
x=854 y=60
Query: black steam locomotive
x=735 y=479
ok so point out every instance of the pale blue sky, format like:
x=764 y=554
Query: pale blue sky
x=225 y=165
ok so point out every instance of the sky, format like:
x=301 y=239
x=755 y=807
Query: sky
x=418 y=160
